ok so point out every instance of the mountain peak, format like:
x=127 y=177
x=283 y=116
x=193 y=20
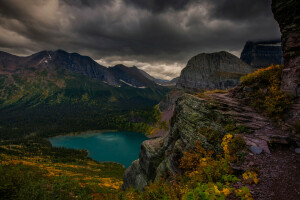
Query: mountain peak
x=219 y=70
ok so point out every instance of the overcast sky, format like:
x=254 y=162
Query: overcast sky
x=159 y=36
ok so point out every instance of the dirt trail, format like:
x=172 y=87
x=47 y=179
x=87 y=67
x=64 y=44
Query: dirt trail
x=279 y=175
x=278 y=165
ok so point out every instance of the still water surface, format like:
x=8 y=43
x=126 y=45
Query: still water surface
x=121 y=147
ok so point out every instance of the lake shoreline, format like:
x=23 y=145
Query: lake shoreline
x=84 y=133
x=122 y=147
x=149 y=136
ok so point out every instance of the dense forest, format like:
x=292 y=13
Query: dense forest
x=47 y=105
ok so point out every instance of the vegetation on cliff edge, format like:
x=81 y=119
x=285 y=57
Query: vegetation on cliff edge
x=206 y=174
x=264 y=93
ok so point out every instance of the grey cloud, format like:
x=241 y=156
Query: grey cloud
x=160 y=34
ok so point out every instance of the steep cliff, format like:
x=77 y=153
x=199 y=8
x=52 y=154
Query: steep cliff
x=219 y=70
x=160 y=156
x=192 y=118
x=278 y=167
x=263 y=53
x=286 y=13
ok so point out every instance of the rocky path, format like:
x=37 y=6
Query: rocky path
x=279 y=175
x=278 y=165
x=264 y=131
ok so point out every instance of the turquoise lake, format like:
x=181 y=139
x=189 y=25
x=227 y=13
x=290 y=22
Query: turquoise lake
x=120 y=147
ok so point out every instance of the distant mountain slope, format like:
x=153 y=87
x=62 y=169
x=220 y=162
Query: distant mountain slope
x=220 y=70
x=174 y=80
x=159 y=81
x=57 y=88
x=53 y=61
x=263 y=53
x=73 y=62
x=131 y=76
x=58 y=76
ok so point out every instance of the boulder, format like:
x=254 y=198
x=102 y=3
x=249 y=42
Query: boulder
x=256 y=150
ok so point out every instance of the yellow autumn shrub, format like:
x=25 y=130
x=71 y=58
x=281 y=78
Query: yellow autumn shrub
x=265 y=93
x=244 y=193
x=250 y=177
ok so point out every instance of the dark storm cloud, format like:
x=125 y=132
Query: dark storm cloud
x=154 y=35
x=89 y=3
x=159 y=5
x=241 y=10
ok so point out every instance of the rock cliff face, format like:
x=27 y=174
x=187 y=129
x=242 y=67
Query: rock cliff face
x=219 y=70
x=160 y=156
x=262 y=54
x=286 y=13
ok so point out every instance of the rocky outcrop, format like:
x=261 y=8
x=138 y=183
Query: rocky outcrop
x=219 y=70
x=286 y=13
x=263 y=130
x=160 y=156
x=169 y=100
x=143 y=170
x=262 y=54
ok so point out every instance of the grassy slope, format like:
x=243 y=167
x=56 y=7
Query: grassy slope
x=32 y=169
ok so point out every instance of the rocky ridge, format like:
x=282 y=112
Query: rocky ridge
x=220 y=70
x=160 y=156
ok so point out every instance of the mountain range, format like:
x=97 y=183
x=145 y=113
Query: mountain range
x=57 y=89
x=74 y=62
